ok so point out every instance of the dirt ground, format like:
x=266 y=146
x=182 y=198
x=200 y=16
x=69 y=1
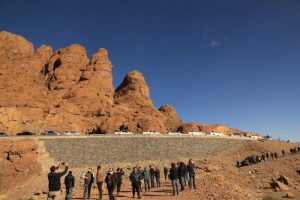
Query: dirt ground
x=224 y=181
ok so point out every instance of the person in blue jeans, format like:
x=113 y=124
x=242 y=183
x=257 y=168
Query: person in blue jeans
x=174 y=179
x=157 y=177
x=69 y=183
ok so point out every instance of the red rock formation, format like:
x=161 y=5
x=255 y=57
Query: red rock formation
x=65 y=91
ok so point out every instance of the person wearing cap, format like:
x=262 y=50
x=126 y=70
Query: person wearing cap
x=54 y=185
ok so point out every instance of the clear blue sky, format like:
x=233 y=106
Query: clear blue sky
x=219 y=62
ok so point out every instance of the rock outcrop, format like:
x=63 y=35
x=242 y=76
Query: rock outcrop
x=66 y=91
x=18 y=162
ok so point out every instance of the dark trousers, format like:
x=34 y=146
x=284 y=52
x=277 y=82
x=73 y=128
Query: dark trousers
x=136 y=188
x=157 y=181
x=110 y=192
x=152 y=181
x=166 y=177
x=119 y=185
x=181 y=181
x=87 y=191
x=99 y=185
x=147 y=185
x=192 y=182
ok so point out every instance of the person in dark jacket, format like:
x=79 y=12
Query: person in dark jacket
x=181 y=174
x=174 y=179
x=135 y=178
x=88 y=182
x=146 y=177
x=191 y=170
x=120 y=174
x=69 y=183
x=54 y=184
x=267 y=156
x=157 y=177
x=152 y=176
x=166 y=173
x=111 y=181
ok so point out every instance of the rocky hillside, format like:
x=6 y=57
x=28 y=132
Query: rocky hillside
x=67 y=91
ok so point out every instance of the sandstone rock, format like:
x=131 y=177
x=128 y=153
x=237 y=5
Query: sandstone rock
x=172 y=121
x=133 y=90
x=44 y=53
x=13 y=46
x=65 y=91
x=64 y=68
x=279 y=185
x=18 y=162
x=290 y=195
x=211 y=168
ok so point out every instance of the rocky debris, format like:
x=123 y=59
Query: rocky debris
x=290 y=195
x=18 y=162
x=277 y=185
x=211 y=168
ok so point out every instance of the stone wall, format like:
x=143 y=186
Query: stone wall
x=90 y=151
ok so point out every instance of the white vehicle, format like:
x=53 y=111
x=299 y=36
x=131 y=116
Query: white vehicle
x=236 y=135
x=72 y=134
x=196 y=133
x=123 y=133
x=216 y=134
x=151 y=133
x=174 y=133
x=254 y=137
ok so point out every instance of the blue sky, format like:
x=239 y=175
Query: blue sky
x=227 y=62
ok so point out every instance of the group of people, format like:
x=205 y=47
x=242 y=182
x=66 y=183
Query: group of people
x=267 y=156
x=180 y=176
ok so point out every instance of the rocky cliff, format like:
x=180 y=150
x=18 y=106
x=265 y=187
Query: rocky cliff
x=67 y=91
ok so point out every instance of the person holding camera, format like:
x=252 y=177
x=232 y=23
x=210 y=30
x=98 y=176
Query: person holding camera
x=54 y=184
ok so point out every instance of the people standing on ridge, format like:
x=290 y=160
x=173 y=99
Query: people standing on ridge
x=283 y=153
x=272 y=155
x=152 y=176
x=69 y=183
x=157 y=176
x=174 y=179
x=263 y=157
x=111 y=181
x=191 y=169
x=99 y=180
x=120 y=174
x=54 y=184
x=166 y=173
x=146 y=176
x=186 y=175
x=88 y=182
x=181 y=174
x=135 y=178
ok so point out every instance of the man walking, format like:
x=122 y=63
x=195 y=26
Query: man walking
x=152 y=173
x=111 y=181
x=69 y=183
x=135 y=178
x=146 y=176
x=181 y=174
x=99 y=180
x=166 y=173
x=157 y=176
x=191 y=170
x=88 y=182
x=120 y=174
x=54 y=184
x=174 y=179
